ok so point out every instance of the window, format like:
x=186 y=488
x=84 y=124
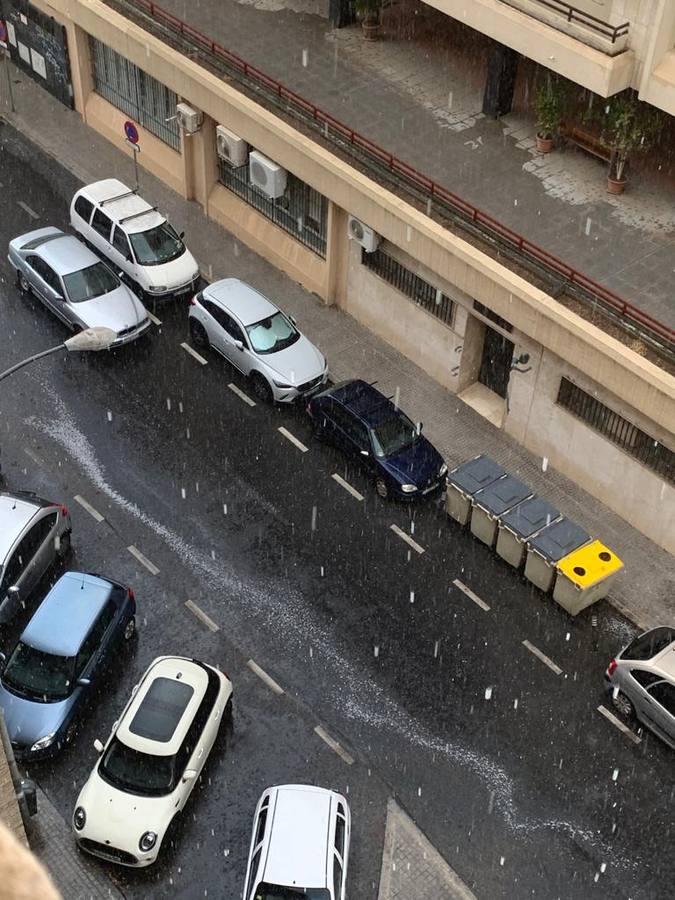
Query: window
x=161 y=709
x=94 y=281
x=102 y=224
x=272 y=334
x=644 y=678
x=255 y=862
x=37 y=674
x=95 y=637
x=420 y=291
x=36 y=537
x=260 y=830
x=84 y=208
x=157 y=246
x=647 y=645
x=337 y=879
x=45 y=272
x=13 y=571
x=664 y=693
x=121 y=244
x=340 y=835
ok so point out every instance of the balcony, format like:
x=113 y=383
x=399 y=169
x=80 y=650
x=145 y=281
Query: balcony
x=590 y=30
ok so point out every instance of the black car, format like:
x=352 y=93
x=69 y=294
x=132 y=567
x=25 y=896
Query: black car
x=370 y=427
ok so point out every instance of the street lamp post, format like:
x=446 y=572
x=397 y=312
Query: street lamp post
x=96 y=338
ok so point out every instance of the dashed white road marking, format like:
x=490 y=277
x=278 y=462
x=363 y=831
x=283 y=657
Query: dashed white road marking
x=143 y=560
x=94 y=513
x=406 y=537
x=153 y=318
x=347 y=486
x=619 y=724
x=470 y=594
x=241 y=394
x=334 y=745
x=26 y=208
x=292 y=438
x=194 y=354
x=32 y=455
x=543 y=657
x=201 y=615
x=264 y=677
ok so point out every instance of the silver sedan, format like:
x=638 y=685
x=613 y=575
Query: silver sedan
x=75 y=285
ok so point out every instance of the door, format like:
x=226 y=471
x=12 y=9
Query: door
x=227 y=334
x=662 y=708
x=495 y=368
x=100 y=232
x=120 y=252
x=38 y=553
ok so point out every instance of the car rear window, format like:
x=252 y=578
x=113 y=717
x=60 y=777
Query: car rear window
x=161 y=710
x=649 y=644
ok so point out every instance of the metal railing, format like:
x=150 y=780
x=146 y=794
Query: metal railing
x=420 y=291
x=444 y=202
x=579 y=17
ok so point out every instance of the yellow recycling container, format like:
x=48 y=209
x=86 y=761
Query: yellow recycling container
x=585 y=576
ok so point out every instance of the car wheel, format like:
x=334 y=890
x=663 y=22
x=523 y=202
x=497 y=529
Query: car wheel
x=261 y=388
x=623 y=705
x=130 y=629
x=381 y=488
x=24 y=284
x=198 y=334
x=64 y=545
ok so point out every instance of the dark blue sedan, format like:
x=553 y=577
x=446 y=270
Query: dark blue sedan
x=60 y=656
x=371 y=428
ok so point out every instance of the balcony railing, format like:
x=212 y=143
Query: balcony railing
x=573 y=16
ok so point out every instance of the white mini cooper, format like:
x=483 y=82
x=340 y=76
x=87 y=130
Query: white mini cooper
x=152 y=760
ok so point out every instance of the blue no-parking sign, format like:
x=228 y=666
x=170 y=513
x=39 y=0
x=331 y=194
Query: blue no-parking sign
x=131 y=132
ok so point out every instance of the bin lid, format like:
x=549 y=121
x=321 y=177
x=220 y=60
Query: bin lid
x=502 y=495
x=559 y=539
x=475 y=474
x=589 y=564
x=530 y=516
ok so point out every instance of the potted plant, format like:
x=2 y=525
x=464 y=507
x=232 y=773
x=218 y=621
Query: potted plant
x=628 y=127
x=368 y=11
x=549 y=105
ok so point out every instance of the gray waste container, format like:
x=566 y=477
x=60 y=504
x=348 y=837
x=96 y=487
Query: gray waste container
x=519 y=525
x=465 y=481
x=548 y=547
x=492 y=502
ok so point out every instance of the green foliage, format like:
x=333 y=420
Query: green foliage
x=550 y=104
x=628 y=127
x=368 y=11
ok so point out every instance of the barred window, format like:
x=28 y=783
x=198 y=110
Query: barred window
x=420 y=291
x=615 y=428
x=143 y=98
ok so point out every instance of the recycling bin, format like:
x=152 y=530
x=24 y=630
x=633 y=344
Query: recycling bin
x=520 y=524
x=548 y=547
x=585 y=576
x=492 y=502
x=464 y=481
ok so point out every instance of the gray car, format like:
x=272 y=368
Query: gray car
x=641 y=681
x=75 y=284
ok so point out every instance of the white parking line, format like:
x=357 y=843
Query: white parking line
x=143 y=560
x=32 y=455
x=347 y=486
x=292 y=438
x=263 y=676
x=543 y=657
x=26 y=208
x=241 y=394
x=153 y=319
x=90 y=509
x=470 y=594
x=201 y=615
x=406 y=537
x=619 y=724
x=334 y=745
x=193 y=353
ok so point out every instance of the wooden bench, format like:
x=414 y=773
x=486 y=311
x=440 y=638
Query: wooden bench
x=586 y=141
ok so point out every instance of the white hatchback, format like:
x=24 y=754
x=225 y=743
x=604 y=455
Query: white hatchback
x=136 y=238
x=300 y=845
x=152 y=760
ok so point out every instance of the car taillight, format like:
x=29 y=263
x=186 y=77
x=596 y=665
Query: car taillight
x=193 y=301
x=64 y=511
x=130 y=594
x=611 y=668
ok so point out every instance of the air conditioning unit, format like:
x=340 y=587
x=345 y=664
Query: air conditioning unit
x=266 y=175
x=230 y=147
x=189 y=119
x=363 y=234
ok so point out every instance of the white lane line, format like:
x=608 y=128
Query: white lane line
x=193 y=353
x=543 y=657
x=263 y=676
x=90 y=509
x=36 y=459
x=153 y=319
x=470 y=594
x=241 y=394
x=406 y=537
x=292 y=438
x=201 y=615
x=26 y=208
x=347 y=486
x=143 y=560
x=334 y=745
x=619 y=724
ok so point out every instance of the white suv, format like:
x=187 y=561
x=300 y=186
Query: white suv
x=152 y=760
x=136 y=238
x=300 y=845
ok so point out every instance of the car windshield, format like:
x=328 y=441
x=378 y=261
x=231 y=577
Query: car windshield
x=39 y=675
x=138 y=773
x=647 y=645
x=157 y=245
x=94 y=281
x=272 y=334
x=266 y=891
x=393 y=435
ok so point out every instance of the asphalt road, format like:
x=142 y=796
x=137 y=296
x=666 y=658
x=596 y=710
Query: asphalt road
x=507 y=766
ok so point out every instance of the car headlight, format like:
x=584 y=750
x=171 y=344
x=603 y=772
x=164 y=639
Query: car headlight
x=44 y=742
x=408 y=488
x=442 y=471
x=147 y=841
x=79 y=818
x=158 y=289
x=280 y=384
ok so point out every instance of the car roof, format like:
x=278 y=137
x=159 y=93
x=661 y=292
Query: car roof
x=298 y=848
x=66 y=254
x=156 y=712
x=128 y=204
x=364 y=400
x=16 y=512
x=66 y=615
x=247 y=304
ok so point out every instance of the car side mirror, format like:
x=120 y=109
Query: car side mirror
x=120 y=274
x=420 y=426
x=84 y=682
x=3 y=658
x=239 y=345
x=181 y=235
x=189 y=775
x=293 y=320
x=13 y=592
x=365 y=453
x=98 y=746
x=58 y=298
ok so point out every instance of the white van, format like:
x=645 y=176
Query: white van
x=137 y=239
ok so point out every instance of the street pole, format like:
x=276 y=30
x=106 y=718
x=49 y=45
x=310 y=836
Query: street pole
x=31 y=359
x=96 y=338
x=5 y=53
